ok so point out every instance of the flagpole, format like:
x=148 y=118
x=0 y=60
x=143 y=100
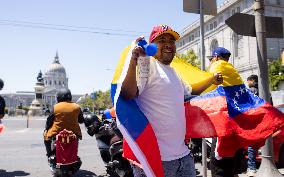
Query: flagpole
x=267 y=167
x=202 y=52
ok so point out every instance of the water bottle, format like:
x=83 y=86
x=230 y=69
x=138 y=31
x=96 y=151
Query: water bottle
x=150 y=49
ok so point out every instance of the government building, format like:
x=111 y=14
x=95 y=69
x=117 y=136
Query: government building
x=53 y=79
x=217 y=33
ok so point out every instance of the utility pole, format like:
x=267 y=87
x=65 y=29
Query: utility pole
x=267 y=167
x=202 y=55
x=202 y=7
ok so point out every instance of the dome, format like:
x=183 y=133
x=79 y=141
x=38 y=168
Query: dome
x=55 y=67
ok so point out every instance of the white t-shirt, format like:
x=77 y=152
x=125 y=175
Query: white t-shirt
x=161 y=99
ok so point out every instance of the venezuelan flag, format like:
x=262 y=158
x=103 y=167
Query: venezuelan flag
x=233 y=113
x=139 y=136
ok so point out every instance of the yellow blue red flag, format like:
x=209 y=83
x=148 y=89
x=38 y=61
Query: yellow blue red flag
x=233 y=113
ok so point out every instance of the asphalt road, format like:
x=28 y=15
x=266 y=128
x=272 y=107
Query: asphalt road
x=22 y=152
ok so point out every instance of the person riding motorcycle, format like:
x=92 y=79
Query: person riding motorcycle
x=65 y=115
x=2 y=101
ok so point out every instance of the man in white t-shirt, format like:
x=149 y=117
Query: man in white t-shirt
x=160 y=96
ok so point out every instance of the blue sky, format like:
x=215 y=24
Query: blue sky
x=88 y=57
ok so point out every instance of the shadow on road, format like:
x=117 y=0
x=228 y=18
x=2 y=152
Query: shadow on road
x=85 y=173
x=4 y=173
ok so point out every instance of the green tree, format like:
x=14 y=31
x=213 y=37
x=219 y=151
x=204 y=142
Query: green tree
x=190 y=57
x=102 y=100
x=87 y=102
x=276 y=74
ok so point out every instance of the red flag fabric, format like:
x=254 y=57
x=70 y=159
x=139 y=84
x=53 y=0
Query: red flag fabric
x=235 y=115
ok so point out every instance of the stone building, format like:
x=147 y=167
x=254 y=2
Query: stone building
x=54 y=78
x=217 y=33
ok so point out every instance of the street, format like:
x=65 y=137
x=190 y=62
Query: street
x=23 y=152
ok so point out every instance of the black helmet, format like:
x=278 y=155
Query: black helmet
x=64 y=94
x=92 y=123
x=1 y=84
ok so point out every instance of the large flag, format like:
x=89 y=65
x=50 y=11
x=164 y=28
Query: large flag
x=233 y=113
x=138 y=134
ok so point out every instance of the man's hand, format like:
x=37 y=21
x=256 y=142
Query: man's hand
x=217 y=78
x=137 y=51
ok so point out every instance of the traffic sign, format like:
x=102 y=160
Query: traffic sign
x=244 y=24
x=193 y=6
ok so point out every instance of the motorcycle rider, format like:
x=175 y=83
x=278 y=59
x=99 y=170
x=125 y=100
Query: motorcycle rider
x=2 y=101
x=65 y=115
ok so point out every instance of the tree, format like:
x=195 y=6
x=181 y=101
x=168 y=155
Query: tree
x=190 y=57
x=276 y=74
x=101 y=101
x=88 y=103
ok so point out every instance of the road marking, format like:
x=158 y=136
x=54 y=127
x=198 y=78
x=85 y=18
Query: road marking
x=23 y=130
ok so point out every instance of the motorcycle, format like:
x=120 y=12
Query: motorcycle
x=64 y=161
x=109 y=142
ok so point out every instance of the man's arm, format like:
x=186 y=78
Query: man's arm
x=129 y=88
x=81 y=117
x=216 y=79
x=49 y=121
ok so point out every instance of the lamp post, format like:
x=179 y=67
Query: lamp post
x=267 y=167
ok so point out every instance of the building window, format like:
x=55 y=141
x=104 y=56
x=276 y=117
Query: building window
x=233 y=11
x=214 y=45
x=238 y=44
x=220 y=19
x=59 y=82
x=238 y=9
x=49 y=82
x=54 y=82
x=215 y=24
x=211 y=26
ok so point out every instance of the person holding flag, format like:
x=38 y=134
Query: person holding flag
x=160 y=96
x=232 y=113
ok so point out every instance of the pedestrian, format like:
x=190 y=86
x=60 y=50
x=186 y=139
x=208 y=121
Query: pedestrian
x=224 y=166
x=2 y=101
x=160 y=95
x=252 y=82
x=65 y=115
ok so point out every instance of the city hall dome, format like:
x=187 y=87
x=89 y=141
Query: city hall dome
x=55 y=67
x=55 y=75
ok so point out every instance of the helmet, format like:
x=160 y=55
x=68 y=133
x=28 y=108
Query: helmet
x=1 y=84
x=92 y=124
x=64 y=94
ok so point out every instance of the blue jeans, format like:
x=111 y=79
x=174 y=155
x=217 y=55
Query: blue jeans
x=183 y=167
x=251 y=158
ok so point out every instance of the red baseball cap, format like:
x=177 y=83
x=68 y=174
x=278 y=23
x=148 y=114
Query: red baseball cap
x=162 y=29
